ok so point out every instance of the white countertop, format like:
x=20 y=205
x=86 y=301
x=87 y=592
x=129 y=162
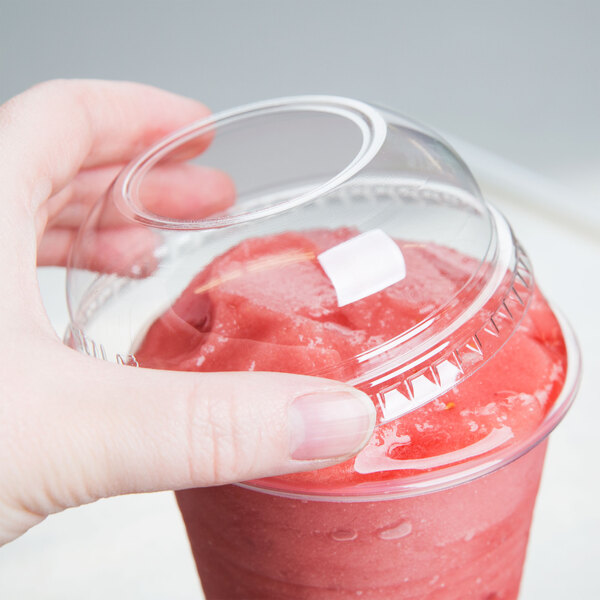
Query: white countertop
x=135 y=546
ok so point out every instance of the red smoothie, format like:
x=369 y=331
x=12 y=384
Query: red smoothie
x=267 y=305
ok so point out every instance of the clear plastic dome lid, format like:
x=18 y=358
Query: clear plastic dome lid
x=315 y=235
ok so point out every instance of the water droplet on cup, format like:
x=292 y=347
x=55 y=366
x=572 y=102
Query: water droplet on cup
x=396 y=532
x=344 y=535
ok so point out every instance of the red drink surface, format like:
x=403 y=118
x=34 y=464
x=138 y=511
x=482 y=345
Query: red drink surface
x=267 y=305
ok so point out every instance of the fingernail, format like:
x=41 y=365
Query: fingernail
x=330 y=424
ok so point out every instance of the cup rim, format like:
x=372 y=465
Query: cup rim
x=453 y=476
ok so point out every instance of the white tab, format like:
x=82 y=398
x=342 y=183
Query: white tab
x=363 y=265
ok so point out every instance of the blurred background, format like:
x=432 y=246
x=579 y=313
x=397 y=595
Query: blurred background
x=518 y=78
x=515 y=85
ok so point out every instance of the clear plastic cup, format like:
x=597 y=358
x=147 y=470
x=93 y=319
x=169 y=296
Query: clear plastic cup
x=324 y=236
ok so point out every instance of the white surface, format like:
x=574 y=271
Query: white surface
x=135 y=547
x=564 y=551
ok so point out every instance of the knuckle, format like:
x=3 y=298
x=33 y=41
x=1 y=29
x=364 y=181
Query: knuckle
x=10 y=110
x=50 y=86
x=218 y=444
x=50 y=90
x=7 y=112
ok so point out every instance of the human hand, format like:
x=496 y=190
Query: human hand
x=74 y=429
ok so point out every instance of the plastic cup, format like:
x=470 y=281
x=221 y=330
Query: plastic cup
x=323 y=213
x=466 y=542
x=463 y=535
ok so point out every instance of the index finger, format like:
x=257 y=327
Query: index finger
x=51 y=131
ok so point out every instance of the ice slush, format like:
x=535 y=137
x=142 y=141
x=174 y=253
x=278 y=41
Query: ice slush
x=267 y=305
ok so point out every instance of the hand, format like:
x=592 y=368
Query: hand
x=74 y=429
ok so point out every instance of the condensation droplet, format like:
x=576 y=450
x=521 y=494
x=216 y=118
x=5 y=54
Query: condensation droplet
x=344 y=535
x=396 y=532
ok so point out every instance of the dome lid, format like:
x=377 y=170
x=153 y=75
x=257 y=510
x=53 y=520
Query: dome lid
x=317 y=235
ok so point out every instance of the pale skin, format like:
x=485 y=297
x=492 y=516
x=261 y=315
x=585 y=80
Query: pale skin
x=74 y=429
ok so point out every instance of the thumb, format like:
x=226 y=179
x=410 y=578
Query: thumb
x=110 y=430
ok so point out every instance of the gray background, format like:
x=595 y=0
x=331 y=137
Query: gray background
x=520 y=79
